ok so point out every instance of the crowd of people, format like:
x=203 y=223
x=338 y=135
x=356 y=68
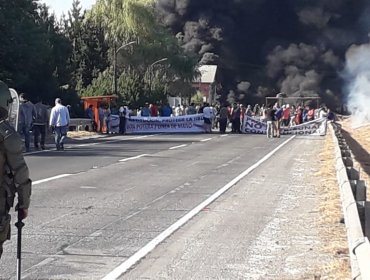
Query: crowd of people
x=38 y=118
x=215 y=116
x=112 y=119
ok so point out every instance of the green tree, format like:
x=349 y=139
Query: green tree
x=28 y=54
x=127 y=20
x=89 y=55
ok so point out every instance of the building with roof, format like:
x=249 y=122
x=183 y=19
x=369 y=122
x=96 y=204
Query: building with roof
x=206 y=82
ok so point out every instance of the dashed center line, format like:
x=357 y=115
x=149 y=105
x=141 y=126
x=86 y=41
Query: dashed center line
x=132 y=158
x=205 y=140
x=178 y=147
x=50 y=179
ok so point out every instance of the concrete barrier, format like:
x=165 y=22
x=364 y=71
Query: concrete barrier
x=80 y=125
x=358 y=243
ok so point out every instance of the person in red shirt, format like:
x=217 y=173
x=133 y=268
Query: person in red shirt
x=153 y=110
x=286 y=115
x=298 y=116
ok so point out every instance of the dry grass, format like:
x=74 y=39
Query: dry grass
x=80 y=134
x=332 y=232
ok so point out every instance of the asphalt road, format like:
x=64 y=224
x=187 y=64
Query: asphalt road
x=116 y=194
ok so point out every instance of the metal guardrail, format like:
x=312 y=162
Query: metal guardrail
x=350 y=183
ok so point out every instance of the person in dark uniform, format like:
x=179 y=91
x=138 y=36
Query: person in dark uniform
x=14 y=174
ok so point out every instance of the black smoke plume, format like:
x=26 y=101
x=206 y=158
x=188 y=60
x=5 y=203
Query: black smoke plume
x=264 y=47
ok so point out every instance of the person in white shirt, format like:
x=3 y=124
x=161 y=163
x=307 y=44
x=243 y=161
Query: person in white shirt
x=59 y=120
x=208 y=116
x=178 y=111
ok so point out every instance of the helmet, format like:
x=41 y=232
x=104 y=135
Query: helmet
x=5 y=99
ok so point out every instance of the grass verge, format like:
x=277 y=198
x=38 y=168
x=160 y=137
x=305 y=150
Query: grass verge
x=332 y=232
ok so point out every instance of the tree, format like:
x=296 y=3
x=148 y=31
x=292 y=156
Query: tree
x=32 y=57
x=128 y=20
x=89 y=55
x=124 y=20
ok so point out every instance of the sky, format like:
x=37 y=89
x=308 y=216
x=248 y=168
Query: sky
x=63 y=6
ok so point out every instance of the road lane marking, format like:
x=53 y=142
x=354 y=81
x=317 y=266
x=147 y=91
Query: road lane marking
x=224 y=135
x=178 y=147
x=90 y=144
x=131 y=261
x=50 y=179
x=113 y=141
x=132 y=158
x=205 y=140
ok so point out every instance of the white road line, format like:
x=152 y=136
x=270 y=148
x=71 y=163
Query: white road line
x=50 y=179
x=224 y=135
x=178 y=147
x=125 y=266
x=113 y=141
x=132 y=158
x=91 y=144
x=205 y=140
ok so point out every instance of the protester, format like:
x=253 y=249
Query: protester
x=191 y=110
x=268 y=116
x=27 y=115
x=223 y=117
x=59 y=119
x=207 y=116
x=166 y=110
x=40 y=124
x=330 y=116
x=145 y=112
x=286 y=115
x=216 y=117
x=276 y=120
x=107 y=114
x=91 y=115
x=101 y=117
x=178 y=110
x=153 y=110
x=299 y=116
x=124 y=114
x=14 y=175
x=310 y=114
x=235 y=118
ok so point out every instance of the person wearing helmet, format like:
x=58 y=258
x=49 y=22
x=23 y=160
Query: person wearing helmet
x=14 y=174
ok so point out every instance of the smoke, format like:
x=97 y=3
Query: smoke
x=292 y=46
x=300 y=69
x=358 y=76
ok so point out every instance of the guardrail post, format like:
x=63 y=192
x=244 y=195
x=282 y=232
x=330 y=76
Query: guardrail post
x=348 y=161
x=346 y=153
x=352 y=173
x=360 y=193
x=367 y=219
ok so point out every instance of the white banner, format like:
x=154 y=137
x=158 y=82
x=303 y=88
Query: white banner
x=315 y=127
x=181 y=124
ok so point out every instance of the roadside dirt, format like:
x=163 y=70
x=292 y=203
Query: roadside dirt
x=332 y=232
x=80 y=134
